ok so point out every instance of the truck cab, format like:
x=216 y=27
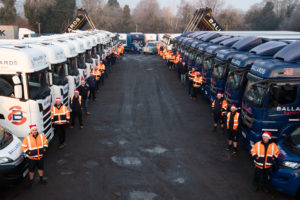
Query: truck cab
x=24 y=88
x=222 y=60
x=207 y=58
x=240 y=66
x=286 y=178
x=271 y=97
x=13 y=165
x=72 y=72
x=135 y=42
x=123 y=39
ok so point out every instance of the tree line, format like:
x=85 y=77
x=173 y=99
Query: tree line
x=53 y=16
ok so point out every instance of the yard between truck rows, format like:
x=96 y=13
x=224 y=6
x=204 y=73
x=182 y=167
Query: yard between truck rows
x=144 y=140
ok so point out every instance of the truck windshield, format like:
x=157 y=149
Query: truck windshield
x=292 y=142
x=5 y=138
x=219 y=69
x=254 y=92
x=208 y=62
x=80 y=61
x=88 y=56
x=94 y=52
x=38 y=84
x=59 y=74
x=199 y=60
x=72 y=68
x=234 y=78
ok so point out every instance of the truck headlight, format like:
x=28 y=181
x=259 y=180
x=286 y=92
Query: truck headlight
x=4 y=160
x=291 y=165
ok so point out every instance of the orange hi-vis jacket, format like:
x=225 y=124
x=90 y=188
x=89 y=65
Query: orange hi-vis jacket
x=198 y=81
x=192 y=75
x=97 y=73
x=34 y=147
x=235 y=120
x=161 y=53
x=264 y=159
x=79 y=99
x=224 y=106
x=158 y=48
x=168 y=56
x=176 y=61
x=102 y=68
x=122 y=49
x=172 y=58
x=60 y=115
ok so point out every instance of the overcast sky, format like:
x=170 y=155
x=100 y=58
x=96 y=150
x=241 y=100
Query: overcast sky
x=172 y=4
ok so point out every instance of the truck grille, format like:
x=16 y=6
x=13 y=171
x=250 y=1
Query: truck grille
x=66 y=102
x=47 y=119
x=247 y=119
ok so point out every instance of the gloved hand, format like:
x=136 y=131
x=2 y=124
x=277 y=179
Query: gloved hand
x=28 y=153
x=44 y=149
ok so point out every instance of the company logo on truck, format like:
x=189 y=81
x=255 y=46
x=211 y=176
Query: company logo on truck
x=8 y=62
x=288 y=110
x=16 y=116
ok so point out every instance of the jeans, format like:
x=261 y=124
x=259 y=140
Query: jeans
x=84 y=103
x=182 y=77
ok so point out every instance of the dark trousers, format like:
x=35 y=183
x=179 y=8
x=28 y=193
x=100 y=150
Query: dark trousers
x=261 y=178
x=102 y=79
x=60 y=131
x=92 y=94
x=179 y=74
x=97 y=84
x=190 y=85
x=195 y=91
x=75 y=115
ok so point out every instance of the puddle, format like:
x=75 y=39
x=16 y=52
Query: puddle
x=141 y=195
x=126 y=161
x=156 y=150
x=91 y=164
x=179 y=180
x=66 y=173
x=122 y=142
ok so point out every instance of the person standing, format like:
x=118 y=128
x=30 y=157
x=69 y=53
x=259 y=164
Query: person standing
x=75 y=104
x=34 y=147
x=219 y=108
x=183 y=72
x=84 y=92
x=233 y=128
x=192 y=74
x=179 y=68
x=197 y=82
x=265 y=154
x=91 y=81
x=60 y=116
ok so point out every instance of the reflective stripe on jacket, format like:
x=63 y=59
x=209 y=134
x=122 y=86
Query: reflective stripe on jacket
x=192 y=75
x=198 y=81
x=264 y=159
x=235 y=120
x=33 y=148
x=61 y=115
x=224 y=106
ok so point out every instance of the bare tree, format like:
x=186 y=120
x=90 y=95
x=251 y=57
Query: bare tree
x=215 y=5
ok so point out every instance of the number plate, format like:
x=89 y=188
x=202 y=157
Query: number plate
x=244 y=134
x=25 y=172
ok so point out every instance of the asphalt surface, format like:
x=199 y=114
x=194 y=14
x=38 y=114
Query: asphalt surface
x=144 y=140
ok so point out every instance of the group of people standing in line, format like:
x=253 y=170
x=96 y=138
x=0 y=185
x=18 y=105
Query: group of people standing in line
x=35 y=145
x=264 y=152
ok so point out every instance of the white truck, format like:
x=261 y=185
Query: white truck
x=25 y=95
x=13 y=166
x=73 y=75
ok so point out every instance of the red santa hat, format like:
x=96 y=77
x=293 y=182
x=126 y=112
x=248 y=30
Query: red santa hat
x=32 y=127
x=58 y=99
x=82 y=79
x=219 y=93
x=76 y=91
x=267 y=134
x=233 y=107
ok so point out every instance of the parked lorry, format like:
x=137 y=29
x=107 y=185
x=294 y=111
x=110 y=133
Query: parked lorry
x=25 y=93
x=13 y=165
x=135 y=42
x=240 y=66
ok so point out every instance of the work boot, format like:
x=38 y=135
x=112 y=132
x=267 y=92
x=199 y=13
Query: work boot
x=43 y=181
x=87 y=113
x=229 y=148
x=235 y=151
x=81 y=127
x=29 y=184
